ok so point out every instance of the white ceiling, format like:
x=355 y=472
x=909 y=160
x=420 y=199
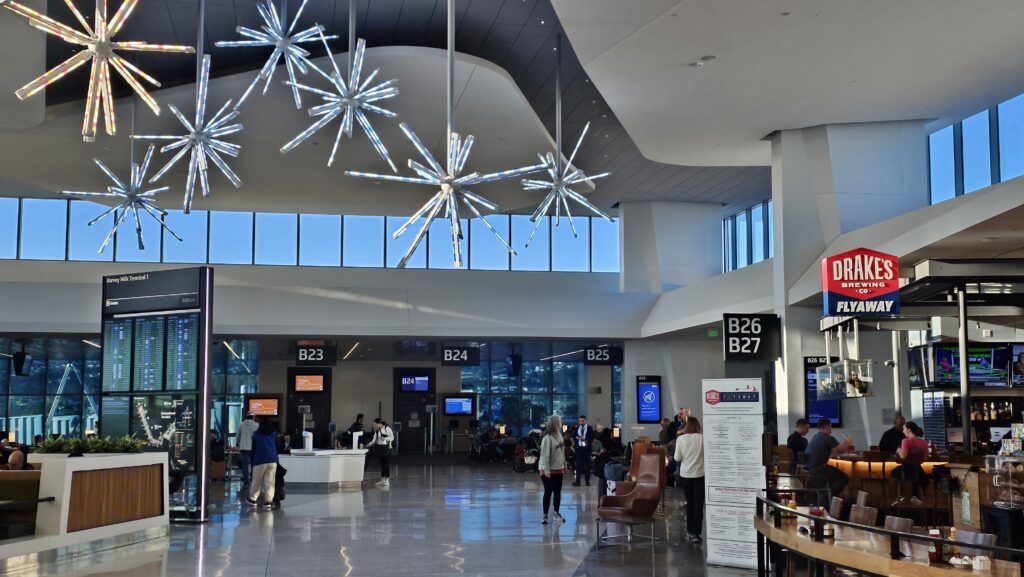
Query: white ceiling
x=783 y=64
x=51 y=156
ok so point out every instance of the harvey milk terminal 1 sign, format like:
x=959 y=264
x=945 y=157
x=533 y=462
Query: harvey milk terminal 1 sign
x=861 y=282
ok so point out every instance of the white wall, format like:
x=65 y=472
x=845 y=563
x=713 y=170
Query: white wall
x=305 y=301
x=359 y=386
x=681 y=364
x=666 y=245
x=599 y=405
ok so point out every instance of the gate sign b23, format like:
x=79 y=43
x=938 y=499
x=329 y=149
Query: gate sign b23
x=861 y=282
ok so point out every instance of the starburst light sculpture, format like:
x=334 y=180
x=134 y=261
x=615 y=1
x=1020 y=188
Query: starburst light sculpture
x=453 y=190
x=349 y=101
x=559 y=187
x=202 y=140
x=98 y=47
x=133 y=200
x=285 y=46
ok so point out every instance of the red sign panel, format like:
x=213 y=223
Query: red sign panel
x=861 y=282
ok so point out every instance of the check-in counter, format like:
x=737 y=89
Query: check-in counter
x=324 y=470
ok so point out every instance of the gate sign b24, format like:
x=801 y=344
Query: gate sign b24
x=861 y=282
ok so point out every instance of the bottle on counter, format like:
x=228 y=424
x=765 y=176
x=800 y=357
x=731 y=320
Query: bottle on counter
x=934 y=549
x=952 y=537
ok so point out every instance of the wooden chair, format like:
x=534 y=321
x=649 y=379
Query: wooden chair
x=862 y=498
x=835 y=510
x=978 y=539
x=901 y=524
x=863 y=515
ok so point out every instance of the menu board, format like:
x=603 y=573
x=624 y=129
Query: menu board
x=148 y=365
x=117 y=355
x=733 y=473
x=182 y=352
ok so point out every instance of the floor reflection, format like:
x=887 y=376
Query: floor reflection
x=450 y=519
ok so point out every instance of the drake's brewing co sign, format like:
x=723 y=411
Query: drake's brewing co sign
x=861 y=282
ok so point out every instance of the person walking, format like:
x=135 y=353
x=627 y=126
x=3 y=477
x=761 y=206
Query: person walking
x=552 y=468
x=380 y=447
x=245 y=432
x=584 y=441
x=264 y=461
x=689 y=454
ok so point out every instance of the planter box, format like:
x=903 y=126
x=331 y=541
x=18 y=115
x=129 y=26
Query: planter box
x=96 y=497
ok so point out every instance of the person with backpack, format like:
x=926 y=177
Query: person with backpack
x=264 y=461
x=380 y=447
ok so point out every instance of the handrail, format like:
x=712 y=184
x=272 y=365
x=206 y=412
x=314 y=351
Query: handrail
x=8 y=504
x=894 y=536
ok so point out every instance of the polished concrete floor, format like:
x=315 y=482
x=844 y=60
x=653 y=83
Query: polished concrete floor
x=436 y=519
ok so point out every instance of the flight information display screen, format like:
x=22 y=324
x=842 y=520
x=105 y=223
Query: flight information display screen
x=148 y=371
x=182 y=352
x=117 y=355
x=116 y=419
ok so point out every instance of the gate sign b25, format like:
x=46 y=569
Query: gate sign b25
x=750 y=337
x=861 y=282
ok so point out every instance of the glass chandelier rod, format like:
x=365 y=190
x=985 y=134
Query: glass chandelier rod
x=558 y=103
x=351 y=32
x=451 y=74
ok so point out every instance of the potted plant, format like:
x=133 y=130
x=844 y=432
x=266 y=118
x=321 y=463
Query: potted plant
x=90 y=446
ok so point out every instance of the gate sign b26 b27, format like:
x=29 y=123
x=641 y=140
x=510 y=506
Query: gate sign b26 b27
x=861 y=282
x=751 y=337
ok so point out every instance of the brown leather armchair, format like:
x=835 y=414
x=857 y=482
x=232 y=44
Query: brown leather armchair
x=626 y=487
x=643 y=500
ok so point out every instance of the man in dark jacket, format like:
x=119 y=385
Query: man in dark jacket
x=582 y=442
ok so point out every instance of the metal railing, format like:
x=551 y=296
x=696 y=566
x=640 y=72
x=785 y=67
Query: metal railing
x=818 y=526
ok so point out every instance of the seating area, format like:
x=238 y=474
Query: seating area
x=19 y=500
x=638 y=505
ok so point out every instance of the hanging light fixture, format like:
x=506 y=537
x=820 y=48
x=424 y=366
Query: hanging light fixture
x=132 y=200
x=98 y=47
x=563 y=176
x=449 y=178
x=203 y=137
x=350 y=99
x=285 y=46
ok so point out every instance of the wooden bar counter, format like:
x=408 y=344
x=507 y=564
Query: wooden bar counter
x=872 y=473
x=868 y=552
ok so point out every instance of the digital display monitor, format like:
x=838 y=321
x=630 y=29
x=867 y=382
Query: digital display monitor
x=819 y=409
x=182 y=352
x=309 y=383
x=648 y=400
x=148 y=361
x=986 y=365
x=167 y=423
x=116 y=420
x=458 y=406
x=1017 y=366
x=915 y=367
x=117 y=355
x=264 y=406
x=415 y=384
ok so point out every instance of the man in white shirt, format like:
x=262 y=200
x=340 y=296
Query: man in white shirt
x=245 y=431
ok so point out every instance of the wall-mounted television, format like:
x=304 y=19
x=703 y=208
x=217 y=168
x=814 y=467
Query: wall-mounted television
x=1017 y=366
x=416 y=384
x=309 y=383
x=263 y=406
x=459 y=406
x=987 y=365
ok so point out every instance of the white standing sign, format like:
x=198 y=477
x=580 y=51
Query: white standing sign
x=733 y=472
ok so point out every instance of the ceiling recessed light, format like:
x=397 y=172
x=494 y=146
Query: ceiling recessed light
x=542 y=22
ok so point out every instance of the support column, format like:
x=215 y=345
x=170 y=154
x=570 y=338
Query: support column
x=666 y=245
x=827 y=181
